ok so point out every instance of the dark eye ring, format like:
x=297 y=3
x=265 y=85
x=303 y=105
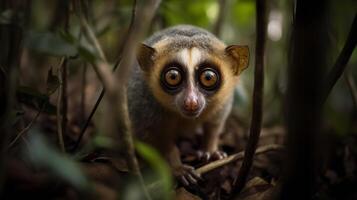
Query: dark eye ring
x=172 y=77
x=209 y=78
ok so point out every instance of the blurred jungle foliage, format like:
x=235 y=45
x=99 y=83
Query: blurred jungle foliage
x=110 y=19
x=46 y=41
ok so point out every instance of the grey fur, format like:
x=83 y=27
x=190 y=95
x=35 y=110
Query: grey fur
x=185 y=36
x=150 y=120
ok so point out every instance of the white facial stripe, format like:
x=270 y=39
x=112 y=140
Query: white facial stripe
x=196 y=56
x=184 y=57
x=190 y=58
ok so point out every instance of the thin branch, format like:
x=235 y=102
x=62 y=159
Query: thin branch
x=101 y=67
x=217 y=28
x=27 y=128
x=128 y=33
x=64 y=100
x=89 y=119
x=141 y=24
x=255 y=127
x=140 y=27
x=235 y=157
x=158 y=185
x=121 y=49
x=342 y=60
x=92 y=38
x=116 y=88
x=59 y=103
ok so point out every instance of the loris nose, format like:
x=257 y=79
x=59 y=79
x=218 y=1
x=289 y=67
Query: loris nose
x=191 y=104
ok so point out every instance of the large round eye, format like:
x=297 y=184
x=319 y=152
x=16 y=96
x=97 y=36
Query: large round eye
x=172 y=77
x=209 y=78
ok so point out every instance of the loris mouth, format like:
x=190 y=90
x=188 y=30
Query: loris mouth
x=190 y=114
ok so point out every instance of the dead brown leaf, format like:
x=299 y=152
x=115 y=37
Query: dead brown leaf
x=257 y=189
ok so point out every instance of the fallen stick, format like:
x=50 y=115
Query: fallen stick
x=238 y=156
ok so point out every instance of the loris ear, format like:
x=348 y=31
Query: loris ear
x=145 y=56
x=240 y=55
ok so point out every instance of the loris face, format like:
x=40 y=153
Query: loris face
x=193 y=81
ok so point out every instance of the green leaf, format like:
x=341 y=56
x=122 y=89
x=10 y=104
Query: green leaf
x=103 y=142
x=49 y=43
x=87 y=54
x=68 y=37
x=83 y=47
x=158 y=164
x=42 y=155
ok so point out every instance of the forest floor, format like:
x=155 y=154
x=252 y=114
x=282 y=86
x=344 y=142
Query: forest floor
x=108 y=174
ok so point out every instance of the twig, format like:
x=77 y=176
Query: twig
x=93 y=39
x=238 y=156
x=128 y=33
x=116 y=88
x=28 y=127
x=140 y=27
x=121 y=49
x=256 y=121
x=101 y=67
x=217 y=28
x=352 y=87
x=342 y=60
x=89 y=119
x=158 y=185
x=59 y=100
x=64 y=100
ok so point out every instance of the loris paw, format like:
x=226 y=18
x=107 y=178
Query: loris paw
x=186 y=175
x=211 y=156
